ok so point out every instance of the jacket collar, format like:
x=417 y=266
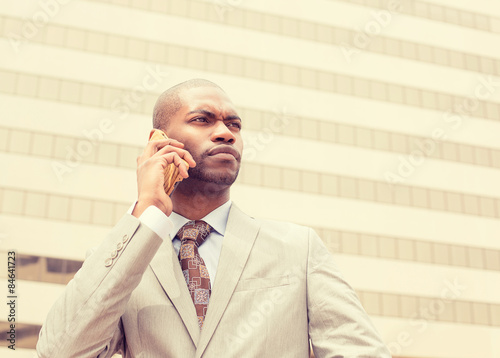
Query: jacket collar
x=240 y=234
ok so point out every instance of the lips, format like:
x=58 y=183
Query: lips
x=225 y=149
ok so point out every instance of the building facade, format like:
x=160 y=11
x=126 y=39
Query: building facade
x=376 y=122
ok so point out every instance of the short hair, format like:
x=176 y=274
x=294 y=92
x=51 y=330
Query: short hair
x=169 y=102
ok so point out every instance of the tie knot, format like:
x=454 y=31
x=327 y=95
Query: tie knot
x=196 y=231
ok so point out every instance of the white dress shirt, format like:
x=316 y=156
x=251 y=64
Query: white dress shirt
x=168 y=226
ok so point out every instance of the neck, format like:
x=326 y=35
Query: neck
x=195 y=199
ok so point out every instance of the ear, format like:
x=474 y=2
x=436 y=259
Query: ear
x=151 y=133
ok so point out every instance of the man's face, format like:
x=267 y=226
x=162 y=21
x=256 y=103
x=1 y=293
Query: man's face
x=209 y=127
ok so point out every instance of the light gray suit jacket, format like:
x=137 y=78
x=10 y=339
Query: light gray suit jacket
x=276 y=287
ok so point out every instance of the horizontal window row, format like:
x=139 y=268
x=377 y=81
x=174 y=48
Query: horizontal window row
x=441 y=309
x=57 y=270
x=437 y=12
x=59 y=207
x=105 y=153
x=277 y=178
x=26 y=335
x=198 y=59
x=368 y=190
x=446 y=308
x=310 y=31
x=395 y=248
x=369 y=138
x=46 y=269
x=106 y=213
x=87 y=149
x=83 y=93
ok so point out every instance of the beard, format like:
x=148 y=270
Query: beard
x=202 y=173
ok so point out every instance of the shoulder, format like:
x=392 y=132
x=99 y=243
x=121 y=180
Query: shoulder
x=273 y=228
x=283 y=227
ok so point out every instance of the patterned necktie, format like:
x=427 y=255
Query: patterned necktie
x=192 y=235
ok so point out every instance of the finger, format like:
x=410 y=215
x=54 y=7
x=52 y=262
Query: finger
x=140 y=160
x=174 y=158
x=170 y=141
x=182 y=166
x=155 y=145
x=184 y=154
x=188 y=158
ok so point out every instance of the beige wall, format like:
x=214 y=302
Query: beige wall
x=376 y=122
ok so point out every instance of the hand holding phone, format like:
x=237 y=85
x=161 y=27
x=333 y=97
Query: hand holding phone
x=162 y=165
x=172 y=173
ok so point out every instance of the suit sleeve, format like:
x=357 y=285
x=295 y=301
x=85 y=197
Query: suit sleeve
x=338 y=325
x=85 y=320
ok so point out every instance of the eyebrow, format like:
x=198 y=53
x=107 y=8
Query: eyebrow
x=212 y=115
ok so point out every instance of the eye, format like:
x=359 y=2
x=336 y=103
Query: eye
x=199 y=119
x=234 y=124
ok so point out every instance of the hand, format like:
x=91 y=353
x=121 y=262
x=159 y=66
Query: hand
x=151 y=165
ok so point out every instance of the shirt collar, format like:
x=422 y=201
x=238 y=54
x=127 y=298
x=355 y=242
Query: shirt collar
x=217 y=219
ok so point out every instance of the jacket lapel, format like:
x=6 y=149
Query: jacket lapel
x=241 y=231
x=167 y=269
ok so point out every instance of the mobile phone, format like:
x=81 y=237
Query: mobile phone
x=172 y=173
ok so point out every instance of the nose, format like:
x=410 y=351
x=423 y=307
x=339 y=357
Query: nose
x=222 y=133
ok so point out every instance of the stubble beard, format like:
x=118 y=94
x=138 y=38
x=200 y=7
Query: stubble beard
x=201 y=173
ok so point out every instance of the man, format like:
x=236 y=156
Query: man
x=244 y=288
